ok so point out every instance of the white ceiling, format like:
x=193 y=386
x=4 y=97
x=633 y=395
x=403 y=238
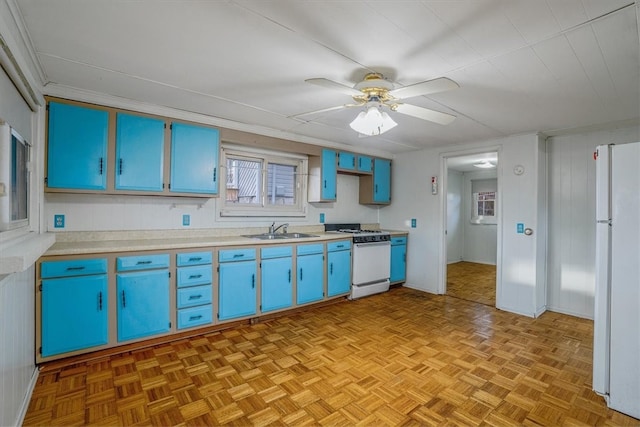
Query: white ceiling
x=522 y=65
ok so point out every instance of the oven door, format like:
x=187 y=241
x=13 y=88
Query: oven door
x=371 y=262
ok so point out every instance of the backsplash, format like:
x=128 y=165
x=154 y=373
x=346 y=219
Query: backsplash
x=88 y=212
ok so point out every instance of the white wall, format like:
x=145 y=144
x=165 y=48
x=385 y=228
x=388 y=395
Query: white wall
x=571 y=274
x=17 y=348
x=518 y=275
x=480 y=240
x=455 y=230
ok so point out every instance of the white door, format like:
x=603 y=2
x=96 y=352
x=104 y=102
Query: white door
x=625 y=280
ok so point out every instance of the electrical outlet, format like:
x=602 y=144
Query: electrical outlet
x=321 y=218
x=58 y=221
x=186 y=220
x=414 y=223
x=520 y=228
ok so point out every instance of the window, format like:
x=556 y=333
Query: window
x=484 y=207
x=14 y=187
x=261 y=183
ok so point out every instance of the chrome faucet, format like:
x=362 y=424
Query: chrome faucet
x=273 y=228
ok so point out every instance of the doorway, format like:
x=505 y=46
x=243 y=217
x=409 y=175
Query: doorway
x=471 y=227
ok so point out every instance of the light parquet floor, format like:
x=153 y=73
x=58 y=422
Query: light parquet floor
x=400 y=358
x=472 y=281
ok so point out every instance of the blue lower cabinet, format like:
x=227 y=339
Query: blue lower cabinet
x=237 y=283
x=398 y=259
x=143 y=304
x=338 y=268
x=310 y=273
x=74 y=314
x=276 y=280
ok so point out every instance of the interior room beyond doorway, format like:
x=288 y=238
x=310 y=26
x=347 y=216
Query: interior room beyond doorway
x=472 y=223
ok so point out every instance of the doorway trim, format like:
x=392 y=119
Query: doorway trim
x=442 y=265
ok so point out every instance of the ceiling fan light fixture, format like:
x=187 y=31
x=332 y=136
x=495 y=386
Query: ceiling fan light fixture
x=484 y=164
x=372 y=122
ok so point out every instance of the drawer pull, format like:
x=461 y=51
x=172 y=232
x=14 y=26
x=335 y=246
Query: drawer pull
x=195 y=297
x=75 y=268
x=195 y=276
x=238 y=255
x=339 y=246
x=195 y=258
x=144 y=262
x=198 y=317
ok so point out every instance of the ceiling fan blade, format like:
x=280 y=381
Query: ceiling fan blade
x=330 y=84
x=424 y=88
x=308 y=113
x=425 y=114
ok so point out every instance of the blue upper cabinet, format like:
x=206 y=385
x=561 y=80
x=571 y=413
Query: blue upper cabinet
x=346 y=161
x=329 y=177
x=382 y=181
x=376 y=188
x=195 y=152
x=365 y=164
x=77 y=147
x=139 y=153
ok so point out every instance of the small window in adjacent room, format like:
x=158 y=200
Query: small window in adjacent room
x=483 y=201
x=14 y=182
x=263 y=183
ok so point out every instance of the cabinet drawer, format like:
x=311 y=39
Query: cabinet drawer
x=236 y=255
x=338 y=246
x=191 y=276
x=198 y=295
x=276 y=252
x=310 y=249
x=143 y=262
x=195 y=316
x=78 y=267
x=193 y=258
x=399 y=240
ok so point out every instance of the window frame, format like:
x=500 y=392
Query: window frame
x=266 y=157
x=475 y=204
x=6 y=204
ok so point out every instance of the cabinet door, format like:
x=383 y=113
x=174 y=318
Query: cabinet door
x=139 y=153
x=347 y=161
x=143 y=304
x=74 y=313
x=194 y=159
x=398 y=263
x=237 y=281
x=365 y=164
x=310 y=278
x=382 y=181
x=329 y=175
x=77 y=147
x=339 y=272
x=276 y=289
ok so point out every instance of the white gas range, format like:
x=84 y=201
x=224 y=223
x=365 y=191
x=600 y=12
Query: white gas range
x=371 y=259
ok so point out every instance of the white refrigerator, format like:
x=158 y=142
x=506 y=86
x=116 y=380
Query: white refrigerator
x=616 y=342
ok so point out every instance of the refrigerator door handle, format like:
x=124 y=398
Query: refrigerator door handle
x=604 y=221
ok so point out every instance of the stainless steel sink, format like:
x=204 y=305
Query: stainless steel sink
x=279 y=236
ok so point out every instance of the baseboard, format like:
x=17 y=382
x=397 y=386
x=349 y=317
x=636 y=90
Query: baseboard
x=569 y=312
x=27 y=397
x=412 y=286
x=540 y=311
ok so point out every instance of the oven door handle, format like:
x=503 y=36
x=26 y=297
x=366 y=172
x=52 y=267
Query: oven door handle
x=369 y=244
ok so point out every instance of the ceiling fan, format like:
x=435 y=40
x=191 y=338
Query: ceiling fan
x=377 y=94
